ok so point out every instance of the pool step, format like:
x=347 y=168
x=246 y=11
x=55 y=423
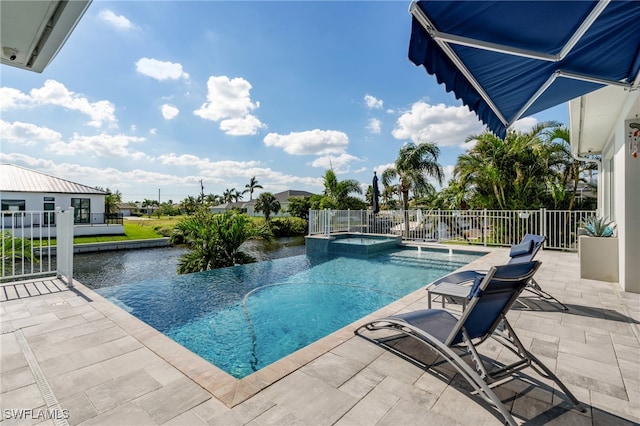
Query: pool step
x=426 y=262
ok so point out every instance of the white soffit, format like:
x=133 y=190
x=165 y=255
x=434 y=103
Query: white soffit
x=592 y=118
x=33 y=31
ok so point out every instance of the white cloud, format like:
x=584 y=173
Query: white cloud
x=101 y=145
x=160 y=70
x=153 y=131
x=241 y=126
x=441 y=124
x=226 y=170
x=372 y=102
x=381 y=168
x=169 y=111
x=27 y=134
x=524 y=124
x=13 y=99
x=375 y=126
x=340 y=163
x=312 y=142
x=229 y=100
x=119 y=22
x=55 y=93
x=448 y=175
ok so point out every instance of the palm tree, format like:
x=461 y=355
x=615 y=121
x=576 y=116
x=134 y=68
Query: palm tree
x=414 y=165
x=388 y=192
x=251 y=186
x=570 y=170
x=111 y=201
x=339 y=191
x=189 y=204
x=236 y=195
x=212 y=199
x=506 y=174
x=267 y=204
x=214 y=240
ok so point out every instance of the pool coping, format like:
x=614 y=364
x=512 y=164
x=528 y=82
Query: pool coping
x=224 y=387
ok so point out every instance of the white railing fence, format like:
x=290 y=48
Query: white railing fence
x=36 y=243
x=484 y=227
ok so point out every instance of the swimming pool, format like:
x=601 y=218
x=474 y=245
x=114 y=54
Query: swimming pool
x=245 y=317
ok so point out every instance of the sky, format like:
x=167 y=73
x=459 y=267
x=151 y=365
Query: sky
x=156 y=98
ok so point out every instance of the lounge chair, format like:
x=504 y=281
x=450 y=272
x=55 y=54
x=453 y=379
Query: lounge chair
x=523 y=252
x=452 y=338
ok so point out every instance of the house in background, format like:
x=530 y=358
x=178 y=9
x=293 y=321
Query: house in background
x=24 y=190
x=128 y=209
x=221 y=208
x=282 y=197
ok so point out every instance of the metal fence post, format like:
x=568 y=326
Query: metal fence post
x=484 y=227
x=543 y=225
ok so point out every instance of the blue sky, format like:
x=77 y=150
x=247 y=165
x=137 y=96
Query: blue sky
x=149 y=96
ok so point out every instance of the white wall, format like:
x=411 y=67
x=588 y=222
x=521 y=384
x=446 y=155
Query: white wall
x=623 y=204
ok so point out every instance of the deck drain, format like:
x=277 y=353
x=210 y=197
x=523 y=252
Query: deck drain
x=53 y=407
x=59 y=303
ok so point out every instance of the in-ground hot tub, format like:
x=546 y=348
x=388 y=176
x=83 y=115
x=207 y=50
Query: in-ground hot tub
x=351 y=244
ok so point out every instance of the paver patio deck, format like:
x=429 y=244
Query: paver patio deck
x=105 y=367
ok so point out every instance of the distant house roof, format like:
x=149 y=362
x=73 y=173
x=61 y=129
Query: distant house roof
x=229 y=206
x=18 y=179
x=284 y=195
x=125 y=206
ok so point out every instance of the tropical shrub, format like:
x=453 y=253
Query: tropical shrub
x=288 y=226
x=214 y=240
x=15 y=249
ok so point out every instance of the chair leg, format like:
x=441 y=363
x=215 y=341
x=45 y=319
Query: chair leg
x=546 y=372
x=535 y=288
x=449 y=355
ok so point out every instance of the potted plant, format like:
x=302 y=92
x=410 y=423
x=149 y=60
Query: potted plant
x=598 y=250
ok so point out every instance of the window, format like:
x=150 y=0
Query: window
x=13 y=206
x=81 y=210
x=49 y=207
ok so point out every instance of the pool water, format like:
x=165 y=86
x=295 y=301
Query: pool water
x=246 y=317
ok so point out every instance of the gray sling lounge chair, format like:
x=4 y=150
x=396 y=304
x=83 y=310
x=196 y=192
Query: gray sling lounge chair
x=452 y=338
x=523 y=252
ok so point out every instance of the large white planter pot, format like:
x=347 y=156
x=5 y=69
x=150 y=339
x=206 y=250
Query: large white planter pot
x=598 y=258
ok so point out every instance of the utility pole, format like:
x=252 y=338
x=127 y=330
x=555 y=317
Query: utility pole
x=201 y=192
x=158 y=196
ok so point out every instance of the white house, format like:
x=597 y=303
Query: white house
x=24 y=190
x=607 y=122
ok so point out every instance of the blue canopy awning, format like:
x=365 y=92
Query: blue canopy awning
x=509 y=59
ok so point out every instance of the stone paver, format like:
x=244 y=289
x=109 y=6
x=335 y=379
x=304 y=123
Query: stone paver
x=108 y=368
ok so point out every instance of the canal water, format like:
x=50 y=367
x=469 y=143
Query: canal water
x=109 y=268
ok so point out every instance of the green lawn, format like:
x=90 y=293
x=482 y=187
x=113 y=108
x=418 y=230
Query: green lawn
x=133 y=229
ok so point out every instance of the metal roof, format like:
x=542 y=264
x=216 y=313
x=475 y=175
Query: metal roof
x=18 y=179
